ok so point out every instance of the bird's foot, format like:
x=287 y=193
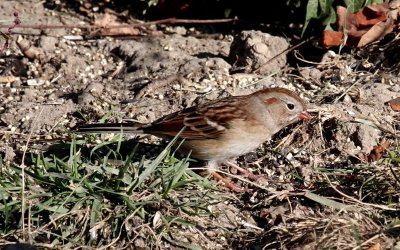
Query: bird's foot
x=229 y=185
x=245 y=172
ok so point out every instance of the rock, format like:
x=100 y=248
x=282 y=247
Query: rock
x=366 y=137
x=48 y=43
x=9 y=153
x=29 y=94
x=86 y=99
x=310 y=73
x=94 y=88
x=253 y=49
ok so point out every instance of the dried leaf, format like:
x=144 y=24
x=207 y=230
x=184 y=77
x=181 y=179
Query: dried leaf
x=376 y=246
x=371 y=15
x=29 y=50
x=7 y=79
x=332 y=38
x=346 y=20
x=367 y=25
x=378 y=151
x=377 y=32
x=394 y=7
x=395 y=104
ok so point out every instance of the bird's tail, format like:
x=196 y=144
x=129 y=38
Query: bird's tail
x=101 y=128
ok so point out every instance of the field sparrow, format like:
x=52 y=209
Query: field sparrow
x=222 y=129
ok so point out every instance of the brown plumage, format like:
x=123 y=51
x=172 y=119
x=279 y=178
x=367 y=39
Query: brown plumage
x=224 y=128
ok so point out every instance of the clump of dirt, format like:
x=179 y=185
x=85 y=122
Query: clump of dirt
x=257 y=51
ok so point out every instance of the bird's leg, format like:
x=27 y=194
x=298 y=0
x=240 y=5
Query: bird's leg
x=227 y=183
x=246 y=173
x=212 y=165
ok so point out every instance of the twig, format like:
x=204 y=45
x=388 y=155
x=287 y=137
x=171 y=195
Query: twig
x=23 y=201
x=383 y=207
x=283 y=52
x=158 y=83
x=367 y=241
x=234 y=176
x=346 y=91
x=392 y=171
x=310 y=62
x=7 y=36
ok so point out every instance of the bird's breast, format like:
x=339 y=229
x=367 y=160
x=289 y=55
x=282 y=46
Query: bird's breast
x=235 y=141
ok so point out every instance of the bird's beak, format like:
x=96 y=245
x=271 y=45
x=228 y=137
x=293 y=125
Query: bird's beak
x=304 y=116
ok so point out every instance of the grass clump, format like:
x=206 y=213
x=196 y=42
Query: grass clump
x=102 y=198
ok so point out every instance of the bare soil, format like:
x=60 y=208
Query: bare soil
x=152 y=74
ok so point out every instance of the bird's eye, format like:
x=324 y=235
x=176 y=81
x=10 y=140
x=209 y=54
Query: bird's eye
x=290 y=106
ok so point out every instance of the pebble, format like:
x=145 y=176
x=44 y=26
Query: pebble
x=34 y=82
x=95 y=88
x=86 y=98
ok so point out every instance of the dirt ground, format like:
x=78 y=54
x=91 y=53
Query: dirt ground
x=322 y=189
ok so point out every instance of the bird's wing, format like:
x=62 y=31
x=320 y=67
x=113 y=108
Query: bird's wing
x=204 y=122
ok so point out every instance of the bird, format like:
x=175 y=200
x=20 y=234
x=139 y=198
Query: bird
x=222 y=129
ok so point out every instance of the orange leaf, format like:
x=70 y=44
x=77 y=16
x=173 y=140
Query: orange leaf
x=367 y=25
x=395 y=104
x=371 y=15
x=376 y=246
x=332 y=38
x=378 y=151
